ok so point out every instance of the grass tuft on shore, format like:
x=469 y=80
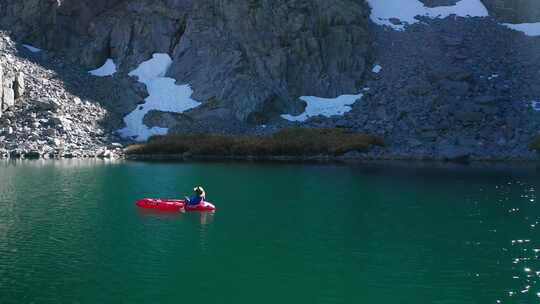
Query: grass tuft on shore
x=286 y=142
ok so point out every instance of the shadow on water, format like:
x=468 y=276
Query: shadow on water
x=392 y=167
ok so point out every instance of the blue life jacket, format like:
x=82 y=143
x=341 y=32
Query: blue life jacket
x=194 y=200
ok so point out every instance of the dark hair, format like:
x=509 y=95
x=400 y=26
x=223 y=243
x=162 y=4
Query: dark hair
x=199 y=190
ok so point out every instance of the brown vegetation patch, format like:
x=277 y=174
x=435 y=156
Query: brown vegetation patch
x=287 y=142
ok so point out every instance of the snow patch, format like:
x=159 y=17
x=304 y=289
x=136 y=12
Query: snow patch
x=164 y=95
x=529 y=29
x=31 y=48
x=535 y=105
x=383 y=11
x=324 y=106
x=377 y=69
x=108 y=69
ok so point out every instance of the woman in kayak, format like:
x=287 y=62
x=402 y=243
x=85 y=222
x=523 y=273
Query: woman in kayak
x=197 y=198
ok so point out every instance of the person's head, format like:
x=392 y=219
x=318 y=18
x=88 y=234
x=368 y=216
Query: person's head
x=199 y=190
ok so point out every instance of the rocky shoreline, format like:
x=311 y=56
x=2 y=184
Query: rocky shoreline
x=115 y=151
x=101 y=153
x=353 y=157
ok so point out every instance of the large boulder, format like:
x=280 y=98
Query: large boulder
x=18 y=85
x=8 y=95
x=1 y=89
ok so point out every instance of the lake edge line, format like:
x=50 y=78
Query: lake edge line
x=321 y=159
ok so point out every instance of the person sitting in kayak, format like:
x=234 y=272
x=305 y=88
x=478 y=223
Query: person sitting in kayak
x=197 y=198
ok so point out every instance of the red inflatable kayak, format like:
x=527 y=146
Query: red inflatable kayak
x=173 y=205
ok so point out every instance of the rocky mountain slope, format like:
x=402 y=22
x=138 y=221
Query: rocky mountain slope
x=438 y=88
x=49 y=107
x=250 y=59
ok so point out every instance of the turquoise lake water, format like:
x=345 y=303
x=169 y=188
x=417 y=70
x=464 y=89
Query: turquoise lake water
x=289 y=233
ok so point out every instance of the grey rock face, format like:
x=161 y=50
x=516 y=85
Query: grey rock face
x=515 y=11
x=53 y=24
x=253 y=58
x=282 y=50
